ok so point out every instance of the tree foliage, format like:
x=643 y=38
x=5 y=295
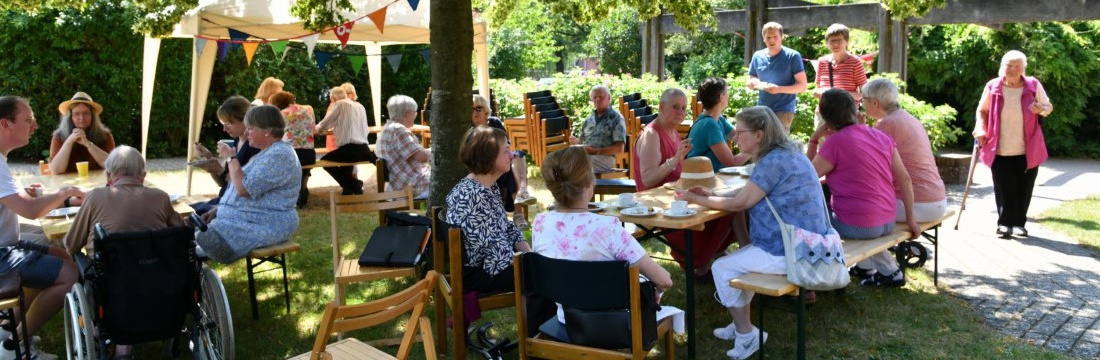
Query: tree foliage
x=523 y=42
x=617 y=43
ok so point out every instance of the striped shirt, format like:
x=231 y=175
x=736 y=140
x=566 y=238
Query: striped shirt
x=848 y=74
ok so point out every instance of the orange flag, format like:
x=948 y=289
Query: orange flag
x=379 y=18
x=249 y=50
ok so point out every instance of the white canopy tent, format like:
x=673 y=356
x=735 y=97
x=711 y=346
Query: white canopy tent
x=271 y=20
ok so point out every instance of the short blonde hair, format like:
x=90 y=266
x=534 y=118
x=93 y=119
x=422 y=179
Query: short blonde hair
x=568 y=173
x=772 y=25
x=349 y=90
x=268 y=87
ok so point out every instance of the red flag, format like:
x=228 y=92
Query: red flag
x=379 y=18
x=343 y=32
x=868 y=58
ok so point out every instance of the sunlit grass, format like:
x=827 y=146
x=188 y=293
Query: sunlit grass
x=1080 y=219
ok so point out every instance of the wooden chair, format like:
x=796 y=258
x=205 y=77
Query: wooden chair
x=11 y=297
x=627 y=98
x=343 y=318
x=555 y=136
x=593 y=285
x=447 y=260
x=275 y=254
x=381 y=176
x=348 y=271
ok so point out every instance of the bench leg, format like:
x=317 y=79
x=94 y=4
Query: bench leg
x=252 y=288
x=760 y=320
x=286 y=283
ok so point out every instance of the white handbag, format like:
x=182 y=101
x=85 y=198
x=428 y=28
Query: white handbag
x=814 y=261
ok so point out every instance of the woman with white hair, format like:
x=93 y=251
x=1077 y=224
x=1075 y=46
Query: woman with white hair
x=124 y=205
x=880 y=99
x=1007 y=131
x=406 y=161
x=348 y=121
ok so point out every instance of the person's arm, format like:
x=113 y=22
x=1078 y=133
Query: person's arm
x=60 y=150
x=655 y=273
x=615 y=149
x=739 y=200
x=822 y=166
x=236 y=173
x=649 y=158
x=100 y=154
x=980 y=117
x=1041 y=106
x=820 y=133
x=798 y=86
x=901 y=178
x=422 y=155
x=36 y=207
x=77 y=237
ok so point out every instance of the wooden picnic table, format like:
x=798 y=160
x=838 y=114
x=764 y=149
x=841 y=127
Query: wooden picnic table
x=654 y=227
x=55 y=228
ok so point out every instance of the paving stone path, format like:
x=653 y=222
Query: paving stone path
x=1042 y=289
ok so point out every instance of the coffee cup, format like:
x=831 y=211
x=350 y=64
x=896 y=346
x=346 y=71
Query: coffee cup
x=82 y=168
x=626 y=199
x=679 y=207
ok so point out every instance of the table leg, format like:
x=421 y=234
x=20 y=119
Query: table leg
x=689 y=276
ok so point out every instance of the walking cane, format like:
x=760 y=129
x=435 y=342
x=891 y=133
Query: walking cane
x=969 y=180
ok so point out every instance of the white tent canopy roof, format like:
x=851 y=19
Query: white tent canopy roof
x=271 y=20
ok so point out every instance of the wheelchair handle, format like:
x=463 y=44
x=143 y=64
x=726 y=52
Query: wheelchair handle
x=195 y=220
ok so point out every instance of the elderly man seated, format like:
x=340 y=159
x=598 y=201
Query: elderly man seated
x=406 y=161
x=604 y=132
x=124 y=205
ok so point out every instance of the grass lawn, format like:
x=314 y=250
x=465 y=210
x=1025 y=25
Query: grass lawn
x=1080 y=219
x=914 y=322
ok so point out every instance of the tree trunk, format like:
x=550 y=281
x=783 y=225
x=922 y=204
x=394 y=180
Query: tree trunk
x=452 y=32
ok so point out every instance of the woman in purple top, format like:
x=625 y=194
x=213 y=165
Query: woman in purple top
x=862 y=186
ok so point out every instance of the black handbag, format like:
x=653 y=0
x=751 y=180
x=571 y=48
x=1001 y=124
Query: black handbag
x=396 y=246
x=610 y=329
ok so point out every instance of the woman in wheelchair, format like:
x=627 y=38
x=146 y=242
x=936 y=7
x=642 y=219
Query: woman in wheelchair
x=474 y=205
x=124 y=205
x=258 y=208
x=571 y=232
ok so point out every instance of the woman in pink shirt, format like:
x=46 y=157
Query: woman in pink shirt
x=862 y=186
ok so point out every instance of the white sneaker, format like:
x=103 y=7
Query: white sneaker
x=726 y=333
x=36 y=354
x=747 y=344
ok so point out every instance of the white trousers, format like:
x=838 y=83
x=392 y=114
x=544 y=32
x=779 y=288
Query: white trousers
x=924 y=212
x=745 y=260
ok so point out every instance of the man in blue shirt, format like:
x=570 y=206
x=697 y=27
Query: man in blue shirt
x=778 y=74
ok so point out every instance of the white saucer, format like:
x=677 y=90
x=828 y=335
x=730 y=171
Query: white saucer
x=174 y=197
x=596 y=207
x=625 y=206
x=639 y=211
x=63 y=212
x=668 y=213
x=732 y=170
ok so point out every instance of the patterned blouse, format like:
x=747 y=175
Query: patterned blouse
x=300 y=125
x=488 y=236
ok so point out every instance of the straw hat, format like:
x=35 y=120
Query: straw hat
x=79 y=98
x=698 y=171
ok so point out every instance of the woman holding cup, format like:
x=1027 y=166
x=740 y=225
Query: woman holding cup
x=231 y=116
x=80 y=137
x=659 y=155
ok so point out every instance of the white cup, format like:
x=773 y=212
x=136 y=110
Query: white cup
x=626 y=199
x=227 y=142
x=679 y=207
x=749 y=168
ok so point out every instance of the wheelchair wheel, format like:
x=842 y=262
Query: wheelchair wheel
x=911 y=254
x=212 y=333
x=80 y=331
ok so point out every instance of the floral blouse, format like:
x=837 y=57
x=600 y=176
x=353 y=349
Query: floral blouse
x=584 y=237
x=300 y=125
x=488 y=236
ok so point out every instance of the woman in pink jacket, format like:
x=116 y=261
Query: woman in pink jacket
x=1007 y=130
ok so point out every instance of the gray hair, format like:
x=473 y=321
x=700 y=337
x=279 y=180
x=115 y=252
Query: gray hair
x=481 y=101
x=762 y=118
x=1010 y=56
x=125 y=161
x=400 y=106
x=267 y=118
x=599 y=88
x=671 y=93
x=884 y=91
x=337 y=93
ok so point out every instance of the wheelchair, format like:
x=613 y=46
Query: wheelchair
x=139 y=287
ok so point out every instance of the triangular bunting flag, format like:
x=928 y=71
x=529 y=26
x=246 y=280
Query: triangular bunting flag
x=237 y=36
x=427 y=54
x=395 y=61
x=322 y=59
x=200 y=45
x=414 y=3
x=311 y=41
x=279 y=48
x=379 y=18
x=223 y=50
x=356 y=62
x=249 y=50
x=342 y=32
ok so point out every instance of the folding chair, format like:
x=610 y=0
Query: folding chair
x=348 y=271
x=343 y=318
x=586 y=285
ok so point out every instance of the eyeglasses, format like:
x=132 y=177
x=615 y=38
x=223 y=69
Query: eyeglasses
x=737 y=132
x=479 y=108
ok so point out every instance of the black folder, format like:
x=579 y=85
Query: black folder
x=395 y=246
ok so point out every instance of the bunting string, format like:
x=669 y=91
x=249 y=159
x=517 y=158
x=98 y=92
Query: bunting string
x=236 y=41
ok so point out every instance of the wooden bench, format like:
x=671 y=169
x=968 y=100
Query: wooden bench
x=327 y=163
x=772 y=285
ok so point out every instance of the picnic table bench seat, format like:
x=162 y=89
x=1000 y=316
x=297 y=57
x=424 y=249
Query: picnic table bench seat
x=773 y=285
